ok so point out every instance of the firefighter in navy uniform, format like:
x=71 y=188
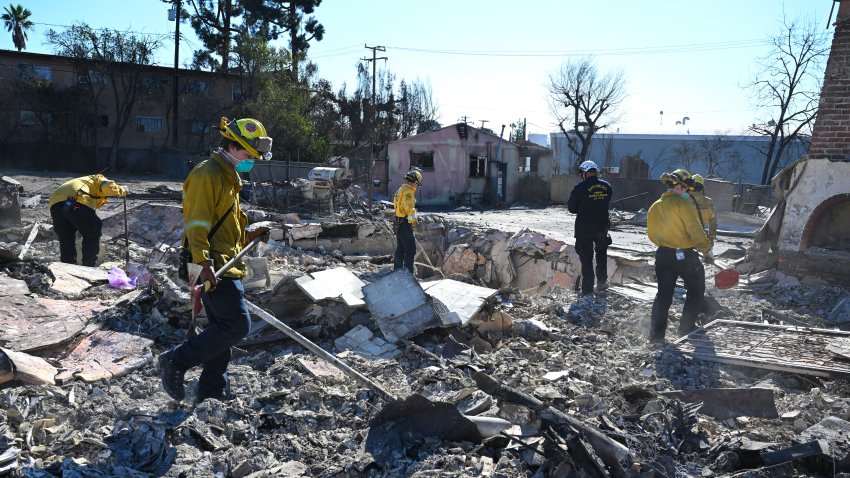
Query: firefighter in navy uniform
x=404 y=203
x=589 y=201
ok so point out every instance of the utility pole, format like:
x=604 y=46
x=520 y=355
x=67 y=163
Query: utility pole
x=482 y=123
x=464 y=118
x=177 y=8
x=374 y=61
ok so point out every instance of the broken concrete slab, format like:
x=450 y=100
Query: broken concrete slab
x=460 y=259
x=338 y=283
x=836 y=432
x=10 y=286
x=26 y=324
x=723 y=403
x=796 y=452
x=148 y=223
x=107 y=354
x=322 y=369
x=26 y=368
x=72 y=279
x=361 y=340
x=295 y=232
x=399 y=306
x=456 y=303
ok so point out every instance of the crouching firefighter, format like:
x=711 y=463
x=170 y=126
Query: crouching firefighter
x=73 y=209
x=404 y=203
x=214 y=227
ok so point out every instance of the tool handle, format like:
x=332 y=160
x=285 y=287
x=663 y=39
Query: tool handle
x=306 y=343
x=226 y=267
x=126 y=237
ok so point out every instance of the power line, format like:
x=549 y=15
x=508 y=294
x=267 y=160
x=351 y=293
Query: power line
x=598 y=52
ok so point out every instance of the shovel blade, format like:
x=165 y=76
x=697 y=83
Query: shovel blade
x=726 y=279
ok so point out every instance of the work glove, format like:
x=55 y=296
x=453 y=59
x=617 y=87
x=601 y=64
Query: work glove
x=709 y=257
x=412 y=219
x=263 y=232
x=122 y=191
x=207 y=276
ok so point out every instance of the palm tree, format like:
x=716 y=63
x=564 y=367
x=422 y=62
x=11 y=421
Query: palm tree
x=17 y=19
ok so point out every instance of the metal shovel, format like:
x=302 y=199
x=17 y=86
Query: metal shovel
x=727 y=278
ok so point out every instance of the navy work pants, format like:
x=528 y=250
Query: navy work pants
x=230 y=322
x=585 y=248
x=667 y=270
x=405 y=249
x=70 y=217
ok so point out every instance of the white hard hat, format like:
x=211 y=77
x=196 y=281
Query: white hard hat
x=587 y=166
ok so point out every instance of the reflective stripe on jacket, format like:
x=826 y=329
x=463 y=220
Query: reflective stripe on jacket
x=404 y=202
x=672 y=222
x=210 y=192
x=91 y=191
x=708 y=214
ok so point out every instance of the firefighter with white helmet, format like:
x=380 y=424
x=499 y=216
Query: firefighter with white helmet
x=589 y=201
x=673 y=225
x=214 y=230
x=404 y=202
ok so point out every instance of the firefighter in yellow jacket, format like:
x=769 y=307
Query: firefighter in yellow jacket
x=404 y=203
x=72 y=208
x=705 y=205
x=214 y=227
x=673 y=225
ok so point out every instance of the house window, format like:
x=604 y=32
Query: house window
x=198 y=127
x=36 y=72
x=528 y=164
x=30 y=118
x=236 y=93
x=477 y=166
x=148 y=123
x=199 y=87
x=151 y=85
x=423 y=161
x=92 y=77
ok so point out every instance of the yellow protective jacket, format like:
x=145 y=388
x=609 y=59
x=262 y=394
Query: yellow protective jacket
x=90 y=191
x=707 y=213
x=210 y=192
x=672 y=222
x=404 y=202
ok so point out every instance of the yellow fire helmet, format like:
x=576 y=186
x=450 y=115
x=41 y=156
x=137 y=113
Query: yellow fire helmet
x=413 y=176
x=250 y=134
x=679 y=176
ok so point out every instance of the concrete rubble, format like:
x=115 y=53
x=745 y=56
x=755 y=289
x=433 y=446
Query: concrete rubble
x=506 y=372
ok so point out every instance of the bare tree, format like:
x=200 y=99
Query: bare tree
x=685 y=155
x=115 y=60
x=584 y=101
x=787 y=88
x=715 y=154
x=711 y=156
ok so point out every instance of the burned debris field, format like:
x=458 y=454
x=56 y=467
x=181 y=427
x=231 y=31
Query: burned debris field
x=484 y=363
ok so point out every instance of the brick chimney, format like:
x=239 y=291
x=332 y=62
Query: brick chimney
x=831 y=133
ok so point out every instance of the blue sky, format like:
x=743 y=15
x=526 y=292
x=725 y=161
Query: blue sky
x=490 y=60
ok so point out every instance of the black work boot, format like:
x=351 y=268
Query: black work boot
x=172 y=376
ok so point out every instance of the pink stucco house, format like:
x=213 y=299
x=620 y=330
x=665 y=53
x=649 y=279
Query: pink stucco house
x=459 y=164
